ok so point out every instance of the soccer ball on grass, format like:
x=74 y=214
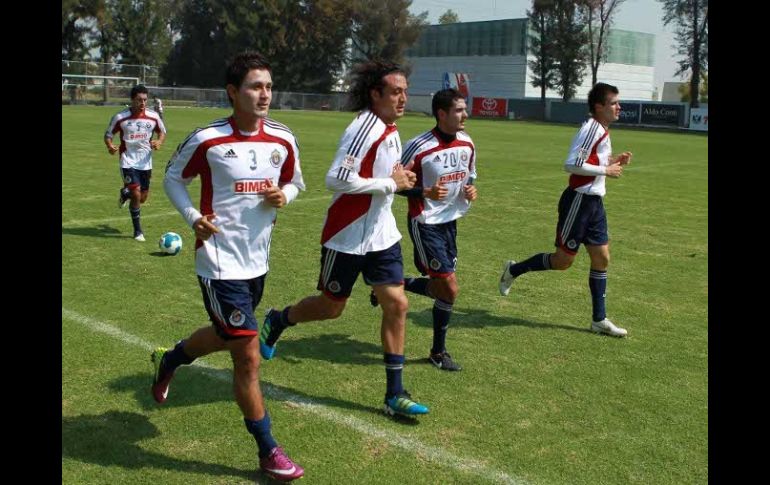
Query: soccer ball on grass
x=170 y=243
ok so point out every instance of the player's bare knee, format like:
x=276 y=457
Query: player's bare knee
x=600 y=258
x=332 y=309
x=396 y=306
x=453 y=291
x=247 y=363
x=447 y=290
x=600 y=263
x=335 y=311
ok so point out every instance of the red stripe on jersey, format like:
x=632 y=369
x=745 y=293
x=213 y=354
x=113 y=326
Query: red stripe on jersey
x=198 y=165
x=367 y=163
x=417 y=204
x=117 y=127
x=576 y=181
x=287 y=169
x=144 y=115
x=343 y=212
x=350 y=207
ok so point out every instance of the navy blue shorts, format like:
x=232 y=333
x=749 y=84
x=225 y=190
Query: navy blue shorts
x=231 y=305
x=582 y=220
x=435 y=247
x=339 y=271
x=133 y=178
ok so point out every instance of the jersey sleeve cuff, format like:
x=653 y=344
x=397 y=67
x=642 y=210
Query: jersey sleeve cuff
x=290 y=191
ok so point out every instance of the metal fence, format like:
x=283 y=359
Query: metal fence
x=196 y=97
x=81 y=93
x=145 y=73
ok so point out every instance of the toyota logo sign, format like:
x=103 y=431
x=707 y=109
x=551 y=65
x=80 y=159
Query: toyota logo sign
x=489 y=103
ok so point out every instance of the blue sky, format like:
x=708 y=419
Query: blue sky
x=638 y=15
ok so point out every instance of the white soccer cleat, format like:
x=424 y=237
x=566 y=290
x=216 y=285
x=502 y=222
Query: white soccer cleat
x=139 y=237
x=606 y=326
x=506 y=279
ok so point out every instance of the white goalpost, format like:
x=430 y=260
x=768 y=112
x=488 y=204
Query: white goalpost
x=78 y=88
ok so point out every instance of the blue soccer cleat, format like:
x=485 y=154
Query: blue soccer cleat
x=403 y=405
x=265 y=350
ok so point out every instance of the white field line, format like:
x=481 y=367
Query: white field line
x=411 y=445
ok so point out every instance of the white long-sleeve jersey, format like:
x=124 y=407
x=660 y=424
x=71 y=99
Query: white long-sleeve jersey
x=588 y=156
x=359 y=219
x=234 y=166
x=452 y=163
x=135 y=134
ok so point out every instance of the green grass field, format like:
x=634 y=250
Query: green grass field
x=541 y=400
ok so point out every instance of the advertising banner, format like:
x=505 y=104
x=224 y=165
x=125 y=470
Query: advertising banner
x=490 y=107
x=661 y=114
x=699 y=119
x=629 y=113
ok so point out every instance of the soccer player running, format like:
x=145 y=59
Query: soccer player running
x=136 y=126
x=444 y=161
x=249 y=167
x=581 y=211
x=359 y=233
x=157 y=105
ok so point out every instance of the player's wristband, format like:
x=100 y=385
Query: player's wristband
x=413 y=192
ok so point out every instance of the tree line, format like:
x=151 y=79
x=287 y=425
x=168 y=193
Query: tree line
x=311 y=42
x=567 y=36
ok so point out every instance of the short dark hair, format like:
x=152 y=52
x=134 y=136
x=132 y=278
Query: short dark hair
x=598 y=94
x=368 y=76
x=241 y=65
x=139 y=88
x=444 y=99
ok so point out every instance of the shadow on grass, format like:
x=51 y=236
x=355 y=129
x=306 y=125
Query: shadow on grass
x=112 y=439
x=102 y=230
x=475 y=318
x=190 y=388
x=332 y=347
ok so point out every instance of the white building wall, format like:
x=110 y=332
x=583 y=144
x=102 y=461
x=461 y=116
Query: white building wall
x=633 y=82
x=492 y=76
x=509 y=77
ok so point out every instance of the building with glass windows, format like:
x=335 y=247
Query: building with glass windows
x=494 y=54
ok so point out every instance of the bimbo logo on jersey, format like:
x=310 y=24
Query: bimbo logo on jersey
x=250 y=186
x=452 y=177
